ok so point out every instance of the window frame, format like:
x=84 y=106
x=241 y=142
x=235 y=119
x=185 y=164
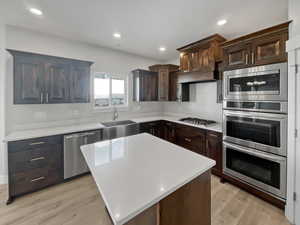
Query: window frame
x=123 y=107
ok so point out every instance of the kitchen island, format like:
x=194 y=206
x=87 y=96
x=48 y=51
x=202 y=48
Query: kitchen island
x=144 y=180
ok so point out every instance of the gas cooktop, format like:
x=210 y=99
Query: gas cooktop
x=197 y=121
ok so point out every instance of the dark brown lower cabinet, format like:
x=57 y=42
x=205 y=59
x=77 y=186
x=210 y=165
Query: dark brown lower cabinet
x=155 y=128
x=34 y=164
x=214 y=150
x=204 y=142
x=189 y=205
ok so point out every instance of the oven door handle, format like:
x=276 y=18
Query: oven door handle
x=257 y=153
x=255 y=115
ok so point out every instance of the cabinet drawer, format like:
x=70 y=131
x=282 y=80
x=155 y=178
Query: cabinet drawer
x=34 y=143
x=191 y=138
x=33 y=180
x=48 y=156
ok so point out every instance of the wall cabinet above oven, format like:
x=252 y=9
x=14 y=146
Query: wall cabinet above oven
x=41 y=79
x=260 y=48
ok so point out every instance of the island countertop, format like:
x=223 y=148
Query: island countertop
x=133 y=173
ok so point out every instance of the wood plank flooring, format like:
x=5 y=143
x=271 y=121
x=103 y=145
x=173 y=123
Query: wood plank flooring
x=78 y=203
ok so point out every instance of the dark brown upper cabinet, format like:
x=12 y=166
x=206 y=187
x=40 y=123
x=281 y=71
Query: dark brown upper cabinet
x=165 y=81
x=42 y=79
x=199 y=61
x=145 y=85
x=260 y=48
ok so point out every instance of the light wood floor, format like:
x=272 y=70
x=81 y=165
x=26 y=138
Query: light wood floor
x=79 y=203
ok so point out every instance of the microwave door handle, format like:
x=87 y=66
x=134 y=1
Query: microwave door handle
x=257 y=153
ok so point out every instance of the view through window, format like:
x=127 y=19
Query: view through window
x=109 y=90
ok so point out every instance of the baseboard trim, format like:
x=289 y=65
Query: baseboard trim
x=3 y=179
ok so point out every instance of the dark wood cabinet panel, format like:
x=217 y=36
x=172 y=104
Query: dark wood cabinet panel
x=42 y=79
x=237 y=56
x=145 y=85
x=214 y=150
x=164 y=81
x=199 y=60
x=28 y=80
x=260 y=48
x=154 y=128
x=34 y=164
x=173 y=86
x=169 y=130
x=270 y=49
x=191 y=138
x=80 y=82
x=189 y=205
x=57 y=82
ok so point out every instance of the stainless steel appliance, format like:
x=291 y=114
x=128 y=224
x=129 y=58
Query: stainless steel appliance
x=116 y=129
x=262 y=83
x=263 y=131
x=197 y=121
x=259 y=169
x=74 y=162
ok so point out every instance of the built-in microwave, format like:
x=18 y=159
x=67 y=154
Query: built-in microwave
x=263 y=131
x=262 y=83
x=260 y=169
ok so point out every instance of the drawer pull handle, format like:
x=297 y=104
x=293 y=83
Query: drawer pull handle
x=37 y=143
x=38 y=179
x=188 y=140
x=36 y=159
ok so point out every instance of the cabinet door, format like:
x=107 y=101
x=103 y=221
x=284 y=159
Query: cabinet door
x=268 y=50
x=163 y=85
x=80 y=82
x=185 y=62
x=169 y=132
x=173 y=86
x=149 y=86
x=57 y=82
x=28 y=80
x=237 y=56
x=214 y=150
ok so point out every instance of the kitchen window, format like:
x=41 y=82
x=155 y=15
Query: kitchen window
x=110 y=90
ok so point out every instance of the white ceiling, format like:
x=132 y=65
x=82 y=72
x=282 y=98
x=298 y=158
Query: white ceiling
x=145 y=25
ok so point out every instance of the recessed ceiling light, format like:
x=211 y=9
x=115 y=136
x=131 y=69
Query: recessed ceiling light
x=222 y=22
x=117 y=35
x=162 y=49
x=36 y=11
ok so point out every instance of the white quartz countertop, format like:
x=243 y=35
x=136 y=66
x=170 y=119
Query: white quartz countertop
x=133 y=173
x=49 y=131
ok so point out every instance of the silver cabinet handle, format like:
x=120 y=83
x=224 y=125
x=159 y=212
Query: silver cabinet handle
x=37 y=159
x=42 y=96
x=47 y=97
x=188 y=140
x=37 y=179
x=37 y=143
x=252 y=55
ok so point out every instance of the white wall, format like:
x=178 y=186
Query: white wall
x=3 y=155
x=203 y=101
x=293 y=173
x=106 y=60
x=294 y=7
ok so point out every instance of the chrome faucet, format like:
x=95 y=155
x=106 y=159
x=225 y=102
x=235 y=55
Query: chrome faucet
x=115 y=113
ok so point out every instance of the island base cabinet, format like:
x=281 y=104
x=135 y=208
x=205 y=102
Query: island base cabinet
x=189 y=205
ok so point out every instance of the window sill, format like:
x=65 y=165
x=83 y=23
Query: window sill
x=122 y=108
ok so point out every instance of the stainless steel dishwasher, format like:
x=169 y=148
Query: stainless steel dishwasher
x=74 y=162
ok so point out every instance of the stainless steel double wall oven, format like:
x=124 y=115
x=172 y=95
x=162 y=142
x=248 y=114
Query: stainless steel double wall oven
x=255 y=127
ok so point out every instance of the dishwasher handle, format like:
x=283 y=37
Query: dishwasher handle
x=80 y=135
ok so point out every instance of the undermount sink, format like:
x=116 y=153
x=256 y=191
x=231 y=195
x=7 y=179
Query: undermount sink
x=117 y=123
